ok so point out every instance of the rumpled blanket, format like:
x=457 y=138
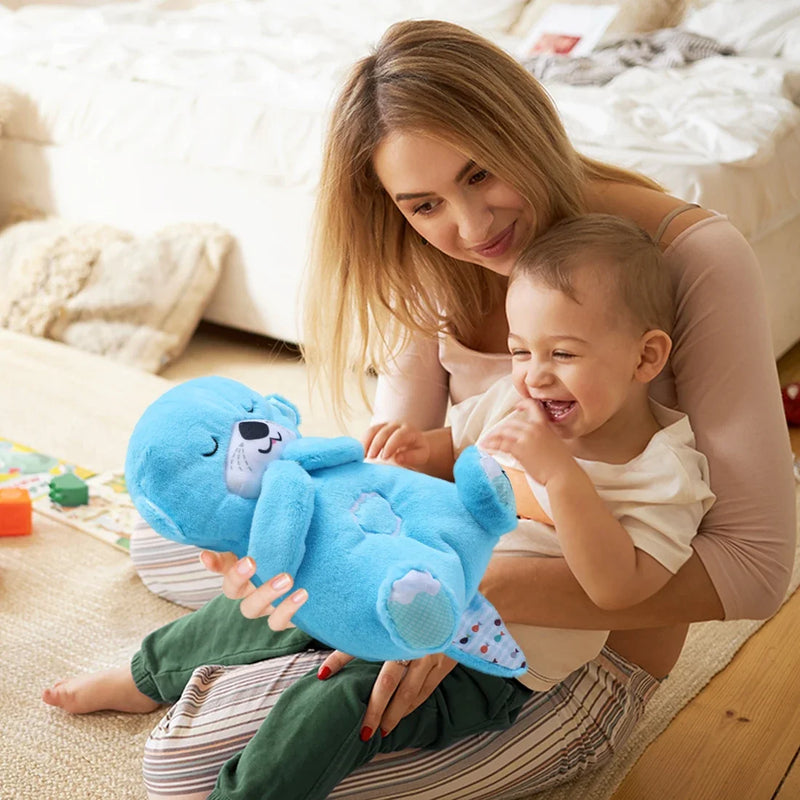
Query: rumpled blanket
x=661 y=49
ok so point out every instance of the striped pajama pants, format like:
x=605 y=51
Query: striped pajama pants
x=557 y=735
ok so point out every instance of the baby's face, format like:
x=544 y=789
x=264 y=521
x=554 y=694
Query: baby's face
x=576 y=358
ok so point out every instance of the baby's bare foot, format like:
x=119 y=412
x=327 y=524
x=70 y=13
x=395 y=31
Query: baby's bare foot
x=111 y=689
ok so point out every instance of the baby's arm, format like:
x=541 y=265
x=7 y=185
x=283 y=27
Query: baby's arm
x=407 y=446
x=597 y=548
x=599 y=551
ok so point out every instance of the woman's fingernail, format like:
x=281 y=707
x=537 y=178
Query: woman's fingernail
x=299 y=596
x=366 y=734
x=280 y=583
x=324 y=673
x=245 y=566
x=384 y=733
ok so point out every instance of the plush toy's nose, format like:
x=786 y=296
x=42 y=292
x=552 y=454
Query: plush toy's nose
x=250 y=430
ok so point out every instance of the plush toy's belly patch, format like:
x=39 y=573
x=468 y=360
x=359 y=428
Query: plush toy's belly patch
x=374 y=514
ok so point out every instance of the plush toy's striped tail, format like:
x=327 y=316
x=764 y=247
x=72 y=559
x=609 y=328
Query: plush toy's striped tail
x=482 y=642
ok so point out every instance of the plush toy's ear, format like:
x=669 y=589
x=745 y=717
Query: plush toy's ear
x=285 y=407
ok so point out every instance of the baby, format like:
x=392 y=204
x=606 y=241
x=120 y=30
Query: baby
x=603 y=476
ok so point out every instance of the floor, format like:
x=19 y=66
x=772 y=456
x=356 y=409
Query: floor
x=739 y=739
x=266 y=365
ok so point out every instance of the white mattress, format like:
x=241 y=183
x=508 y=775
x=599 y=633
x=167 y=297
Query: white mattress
x=140 y=116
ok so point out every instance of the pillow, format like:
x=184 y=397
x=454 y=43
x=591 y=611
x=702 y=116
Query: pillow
x=754 y=28
x=103 y=290
x=634 y=16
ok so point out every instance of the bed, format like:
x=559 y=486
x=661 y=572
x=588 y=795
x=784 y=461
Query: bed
x=141 y=114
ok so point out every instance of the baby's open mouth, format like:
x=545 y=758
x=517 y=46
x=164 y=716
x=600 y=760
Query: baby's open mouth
x=557 y=409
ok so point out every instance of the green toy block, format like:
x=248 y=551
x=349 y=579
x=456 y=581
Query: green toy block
x=69 y=490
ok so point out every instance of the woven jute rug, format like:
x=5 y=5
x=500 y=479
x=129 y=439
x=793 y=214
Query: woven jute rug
x=71 y=604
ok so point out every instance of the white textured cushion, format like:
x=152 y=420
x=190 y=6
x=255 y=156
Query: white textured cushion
x=103 y=290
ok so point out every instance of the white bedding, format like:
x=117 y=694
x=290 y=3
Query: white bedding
x=216 y=113
x=722 y=116
x=766 y=28
x=235 y=84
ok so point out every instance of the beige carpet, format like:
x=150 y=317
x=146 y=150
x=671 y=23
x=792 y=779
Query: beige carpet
x=69 y=603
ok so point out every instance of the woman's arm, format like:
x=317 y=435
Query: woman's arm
x=414 y=387
x=726 y=380
x=543 y=591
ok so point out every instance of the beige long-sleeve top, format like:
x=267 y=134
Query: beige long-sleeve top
x=721 y=373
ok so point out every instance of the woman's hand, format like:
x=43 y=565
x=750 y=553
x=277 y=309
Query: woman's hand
x=399 y=689
x=256 y=602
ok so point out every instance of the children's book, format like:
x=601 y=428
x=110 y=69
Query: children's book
x=109 y=515
x=568 y=29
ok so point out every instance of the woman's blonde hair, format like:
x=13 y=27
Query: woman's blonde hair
x=372 y=281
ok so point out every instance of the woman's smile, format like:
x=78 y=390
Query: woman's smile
x=454 y=203
x=499 y=245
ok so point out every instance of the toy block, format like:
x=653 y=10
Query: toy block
x=16 y=512
x=69 y=490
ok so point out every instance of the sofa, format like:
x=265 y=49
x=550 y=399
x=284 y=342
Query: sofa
x=154 y=112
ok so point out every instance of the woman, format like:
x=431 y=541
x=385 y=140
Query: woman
x=444 y=157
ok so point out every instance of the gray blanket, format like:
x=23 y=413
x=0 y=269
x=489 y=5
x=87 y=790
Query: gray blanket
x=661 y=49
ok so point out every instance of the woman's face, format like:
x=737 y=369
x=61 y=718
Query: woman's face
x=459 y=207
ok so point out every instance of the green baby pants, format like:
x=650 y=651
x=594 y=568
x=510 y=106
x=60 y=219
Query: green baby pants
x=310 y=740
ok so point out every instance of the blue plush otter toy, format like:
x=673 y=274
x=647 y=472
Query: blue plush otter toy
x=391 y=558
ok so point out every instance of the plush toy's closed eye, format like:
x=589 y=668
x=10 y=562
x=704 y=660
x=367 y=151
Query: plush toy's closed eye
x=214 y=448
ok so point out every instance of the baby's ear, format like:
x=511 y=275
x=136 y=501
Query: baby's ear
x=285 y=407
x=654 y=351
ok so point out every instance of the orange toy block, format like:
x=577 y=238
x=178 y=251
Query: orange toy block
x=16 y=512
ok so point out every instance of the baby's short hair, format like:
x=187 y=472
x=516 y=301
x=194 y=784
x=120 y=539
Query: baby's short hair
x=617 y=249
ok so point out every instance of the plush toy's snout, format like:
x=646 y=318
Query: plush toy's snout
x=255 y=443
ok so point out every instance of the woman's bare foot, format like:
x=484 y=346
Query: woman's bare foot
x=112 y=689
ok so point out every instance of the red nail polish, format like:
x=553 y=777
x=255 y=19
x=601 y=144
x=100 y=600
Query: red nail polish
x=323 y=673
x=384 y=733
x=366 y=734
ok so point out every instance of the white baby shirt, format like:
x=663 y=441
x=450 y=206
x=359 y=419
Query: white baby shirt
x=659 y=497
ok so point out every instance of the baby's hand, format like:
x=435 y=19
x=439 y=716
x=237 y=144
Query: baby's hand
x=398 y=442
x=530 y=438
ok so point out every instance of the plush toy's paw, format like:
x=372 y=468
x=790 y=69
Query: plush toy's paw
x=421 y=612
x=485 y=491
x=483 y=642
